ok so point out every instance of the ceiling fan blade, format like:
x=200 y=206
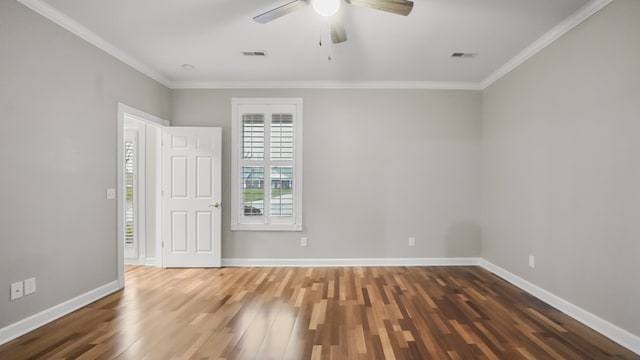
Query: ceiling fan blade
x=338 y=33
x=400 y=7
x=280 y=11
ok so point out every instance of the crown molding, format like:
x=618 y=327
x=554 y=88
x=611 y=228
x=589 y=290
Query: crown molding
x=420 y=85
x=74 y=27
x=552 y=35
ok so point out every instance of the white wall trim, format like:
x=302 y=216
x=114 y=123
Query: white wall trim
x=74 y=27
x=141 y=188
x=159 y=186
x=142 y=116
x=44 y=317
x=420 y=85
x=552 y=35
x=120 y=191
x=145 y=261
x=129 y=261
x=238 y=262
x=613 y=332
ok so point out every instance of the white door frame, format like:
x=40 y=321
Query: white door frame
x=128 y=111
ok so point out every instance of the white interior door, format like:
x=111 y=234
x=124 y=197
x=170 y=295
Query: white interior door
x=191 y=197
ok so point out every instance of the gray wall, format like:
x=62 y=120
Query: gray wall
x=379 y=166
x=561 y=139
x=58 y=107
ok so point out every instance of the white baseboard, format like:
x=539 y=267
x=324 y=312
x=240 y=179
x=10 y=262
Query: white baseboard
x=613 y=332
x=33 y=322
x=149 y=261
x=237 y=262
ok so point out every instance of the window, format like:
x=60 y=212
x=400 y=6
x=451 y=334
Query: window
x=266 y=164
x=129 y=186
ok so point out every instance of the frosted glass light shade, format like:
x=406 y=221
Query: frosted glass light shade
x=326 y=7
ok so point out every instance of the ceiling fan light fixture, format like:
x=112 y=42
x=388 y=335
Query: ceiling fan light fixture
x=326 y=7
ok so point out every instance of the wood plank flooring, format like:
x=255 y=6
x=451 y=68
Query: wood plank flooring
x=315 y=313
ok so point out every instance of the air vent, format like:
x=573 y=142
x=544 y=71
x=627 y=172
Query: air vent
x=254 y=53
x=463 y=55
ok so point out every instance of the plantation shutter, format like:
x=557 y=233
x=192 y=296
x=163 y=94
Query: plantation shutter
x=265 y=159
x=129 y=209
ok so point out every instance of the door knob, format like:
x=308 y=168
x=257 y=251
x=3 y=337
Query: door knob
x=215 y=205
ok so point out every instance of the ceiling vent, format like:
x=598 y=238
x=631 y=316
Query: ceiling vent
x=463 y=55
x=254 y=53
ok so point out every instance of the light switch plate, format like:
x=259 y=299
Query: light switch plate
x=30 y=286
x=111 y=194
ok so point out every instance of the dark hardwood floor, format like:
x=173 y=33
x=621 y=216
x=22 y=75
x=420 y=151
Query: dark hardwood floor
x=315 y=313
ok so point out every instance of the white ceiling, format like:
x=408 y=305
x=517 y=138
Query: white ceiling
x=157 y=37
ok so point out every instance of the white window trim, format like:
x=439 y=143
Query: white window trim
x=236 y=224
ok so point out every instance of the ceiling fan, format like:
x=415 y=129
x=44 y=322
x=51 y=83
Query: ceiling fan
x=331 y=7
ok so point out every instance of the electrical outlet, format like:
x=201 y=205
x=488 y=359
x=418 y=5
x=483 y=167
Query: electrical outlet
x=17 y=290
x=111 y=194
x=29 y=286
x=532 y=261
x=412 y=241
x=304 y=241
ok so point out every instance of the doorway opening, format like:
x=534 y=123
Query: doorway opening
x=139 y=188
